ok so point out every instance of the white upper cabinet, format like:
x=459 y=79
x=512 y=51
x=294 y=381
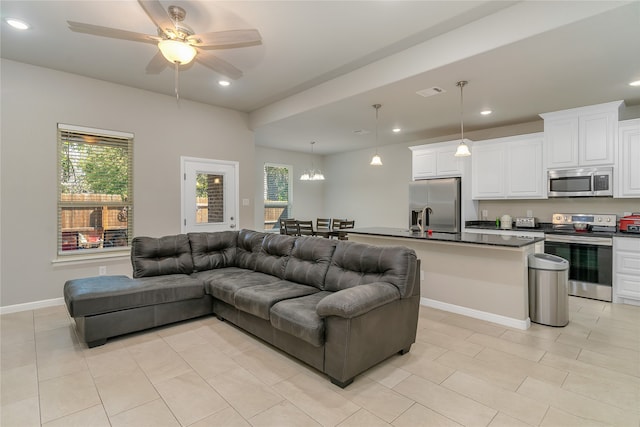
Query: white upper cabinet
x=437 y=160
x=585 y=136
x=627 y=183
x=508 y=168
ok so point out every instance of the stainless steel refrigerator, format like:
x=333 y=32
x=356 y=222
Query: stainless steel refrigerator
x=434 y=204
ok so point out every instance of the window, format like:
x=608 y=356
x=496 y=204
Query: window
x=95 y=190
x=277 y=194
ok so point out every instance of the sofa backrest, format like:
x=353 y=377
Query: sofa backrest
x=309 y=261
x=356 y=264
x=248 y=247
x=274 y=254
x=151 y=256
x=213 y=250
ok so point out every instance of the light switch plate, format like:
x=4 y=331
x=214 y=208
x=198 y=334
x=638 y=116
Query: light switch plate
x=245 y=202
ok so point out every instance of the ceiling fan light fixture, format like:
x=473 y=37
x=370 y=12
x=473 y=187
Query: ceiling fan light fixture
x=177 y=52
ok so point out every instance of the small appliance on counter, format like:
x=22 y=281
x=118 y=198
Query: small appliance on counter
x=630 y=223
x=527 y=222
x=505 y=222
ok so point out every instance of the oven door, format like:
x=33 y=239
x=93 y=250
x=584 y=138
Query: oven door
x=590 y=263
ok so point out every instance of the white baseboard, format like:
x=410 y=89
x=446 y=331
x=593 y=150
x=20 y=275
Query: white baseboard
x=477 y=314
x=31 y=305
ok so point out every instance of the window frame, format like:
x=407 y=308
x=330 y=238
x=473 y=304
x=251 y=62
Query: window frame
x=289 y=203
x=65 y=132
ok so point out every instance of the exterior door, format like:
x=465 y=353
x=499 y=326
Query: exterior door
x=209 y=195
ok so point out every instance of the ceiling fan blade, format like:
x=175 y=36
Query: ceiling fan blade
x=115 y=33
x=218 y=65
x=157 y=64
x=222 y=39
x=158 y=14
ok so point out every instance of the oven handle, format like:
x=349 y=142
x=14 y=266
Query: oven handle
x=597 y=241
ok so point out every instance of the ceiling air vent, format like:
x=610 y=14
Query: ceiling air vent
x=431 y=91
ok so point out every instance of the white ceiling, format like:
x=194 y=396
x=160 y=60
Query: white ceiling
x=322 y=64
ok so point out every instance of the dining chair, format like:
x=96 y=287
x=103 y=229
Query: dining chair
x=344 y=225
x=323 y=222
x=282 y=222
x=291 y=227
x=305 y=228
x=323 y=227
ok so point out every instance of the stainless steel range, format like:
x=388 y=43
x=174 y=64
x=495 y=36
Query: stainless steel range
x=586 y=241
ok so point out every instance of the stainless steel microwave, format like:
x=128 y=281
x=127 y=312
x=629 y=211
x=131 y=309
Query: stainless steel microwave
x=582 y=182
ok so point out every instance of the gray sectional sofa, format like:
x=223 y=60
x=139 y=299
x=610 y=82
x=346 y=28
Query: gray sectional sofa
x=339 y=306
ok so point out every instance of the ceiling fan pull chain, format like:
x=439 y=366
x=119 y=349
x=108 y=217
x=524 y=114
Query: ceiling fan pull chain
x=177 y=82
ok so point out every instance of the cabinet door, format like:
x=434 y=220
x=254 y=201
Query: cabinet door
x=561 y=142
x=525 y=174
x=597 y=138
x=628 y=177
x=447 y=164
x=487 y=171
x=424 y=164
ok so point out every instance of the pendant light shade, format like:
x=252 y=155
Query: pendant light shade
x=376 y=160
x=312 y=174
x=463 y=148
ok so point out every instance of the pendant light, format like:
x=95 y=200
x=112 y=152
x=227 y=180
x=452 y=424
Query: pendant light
x=463 y=149
x=312 y=174
x=376 y=160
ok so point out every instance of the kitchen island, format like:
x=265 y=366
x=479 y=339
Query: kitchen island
x=484 y=276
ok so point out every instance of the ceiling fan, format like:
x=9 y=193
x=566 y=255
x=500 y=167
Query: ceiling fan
x=177 y=42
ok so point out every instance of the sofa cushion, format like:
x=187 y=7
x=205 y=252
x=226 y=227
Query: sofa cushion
x=224 y=284
x=104 y=294
x=356 y=263
x=248 y=248
x=213 y=250
x=274 y=254
x=309 y=261
x=160 y=256
x=258 y=300
x=298 y=317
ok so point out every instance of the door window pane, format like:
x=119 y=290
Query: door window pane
x=209 y=198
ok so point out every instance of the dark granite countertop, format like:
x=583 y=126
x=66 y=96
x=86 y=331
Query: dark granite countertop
x=543 y=227
x=471 y=238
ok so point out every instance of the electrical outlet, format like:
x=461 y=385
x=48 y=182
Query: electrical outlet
x=102 y=270
x=485 y=214
x=529 y=213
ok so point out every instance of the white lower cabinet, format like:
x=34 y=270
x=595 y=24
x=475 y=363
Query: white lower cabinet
x=626 y=270
x=508 y=168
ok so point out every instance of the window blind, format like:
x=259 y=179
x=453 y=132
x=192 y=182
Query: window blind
x=277 y=194
x=95 y=190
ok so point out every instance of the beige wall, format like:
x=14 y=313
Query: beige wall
x=34 y=100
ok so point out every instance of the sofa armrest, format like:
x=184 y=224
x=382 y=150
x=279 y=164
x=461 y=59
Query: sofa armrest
x=352 y=302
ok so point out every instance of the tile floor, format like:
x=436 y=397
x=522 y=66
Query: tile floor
x=461 y=371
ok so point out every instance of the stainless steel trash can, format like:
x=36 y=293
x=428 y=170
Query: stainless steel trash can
x=548 y=289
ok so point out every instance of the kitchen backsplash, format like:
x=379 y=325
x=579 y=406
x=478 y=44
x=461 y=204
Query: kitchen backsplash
x=543 y=209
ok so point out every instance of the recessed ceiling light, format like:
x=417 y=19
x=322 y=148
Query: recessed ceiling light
x=17 y=24
x=486 y=112
x=224 y=83
x=636 y=83
x=396 y=130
